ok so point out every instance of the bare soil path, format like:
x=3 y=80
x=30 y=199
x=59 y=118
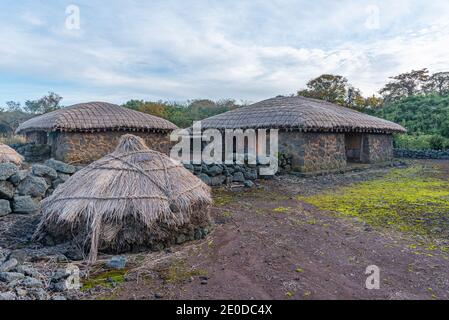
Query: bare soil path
x=267 y=244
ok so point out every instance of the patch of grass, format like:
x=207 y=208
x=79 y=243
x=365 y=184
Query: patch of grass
x=265 y=194
x=222 y=197
x=227 y=214
x=108 y=279
x=178 y=272
x=410 y=200
x=281 y=209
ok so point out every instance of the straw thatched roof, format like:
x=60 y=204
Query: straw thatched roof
x=8 y=154
x=132 y=197
x=95 y=116
x=299 y=113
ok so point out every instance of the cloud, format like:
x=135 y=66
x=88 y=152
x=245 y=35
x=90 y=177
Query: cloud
x=246 y=50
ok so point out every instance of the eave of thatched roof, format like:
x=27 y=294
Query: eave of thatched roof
x=93 y=117
x=300 y=114
x=8 y=154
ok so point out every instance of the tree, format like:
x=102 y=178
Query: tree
x=335 y=89
x=438 y=83
x=328 y=87
x=43 y=105
x=154 y=108
x=354 y=99
x=133 y=104
x=5 y=128
x=405 y=85
x=373 y=102
x=13 y=106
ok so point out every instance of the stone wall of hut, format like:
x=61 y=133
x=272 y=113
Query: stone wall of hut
x=377 y=148
x=36 y=137
x=313 y=152
x=317 y=152
x=83 y=148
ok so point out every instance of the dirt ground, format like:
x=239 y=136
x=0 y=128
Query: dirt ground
x=259 y=249
x=269 y=244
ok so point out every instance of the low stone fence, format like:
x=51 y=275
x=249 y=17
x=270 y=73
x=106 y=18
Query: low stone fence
x=219 y=174
x=421 y=154
x=22 y=190
x=33 y=152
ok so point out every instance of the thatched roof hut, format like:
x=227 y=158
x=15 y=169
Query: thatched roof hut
x=132 y=198
x=85 y=132
x=300 y=114
x=95 y=117
x=8 y=154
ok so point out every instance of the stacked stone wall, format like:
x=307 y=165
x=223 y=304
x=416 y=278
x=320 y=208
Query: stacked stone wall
x=84 y=148
x=377 y=148
x=313 y=152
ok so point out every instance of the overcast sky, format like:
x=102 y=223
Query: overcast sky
x=179 y=50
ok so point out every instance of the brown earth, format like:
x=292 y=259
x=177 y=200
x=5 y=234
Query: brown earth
x=259 y=250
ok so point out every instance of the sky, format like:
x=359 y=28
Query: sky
x=247 y=50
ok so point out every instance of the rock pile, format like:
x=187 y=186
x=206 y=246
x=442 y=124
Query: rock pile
x=22 y=190
x=33 y=152
x=218 y=174
x=21 y=281
x=285 y=162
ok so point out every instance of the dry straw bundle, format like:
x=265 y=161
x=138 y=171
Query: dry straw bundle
x=8 y=154
x=133 y=197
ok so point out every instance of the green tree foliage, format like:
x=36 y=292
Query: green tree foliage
x=337 y=89
x=328 y=87
x=48 y=103
x=438 y=83
x=10 y=120
x=405 y=85
x=12 y=114
x=183 y=115
x=426 y=118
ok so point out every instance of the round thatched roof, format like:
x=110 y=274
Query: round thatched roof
x=131 y=186
x=95 y=116
x=299 y=113
x=8 y=154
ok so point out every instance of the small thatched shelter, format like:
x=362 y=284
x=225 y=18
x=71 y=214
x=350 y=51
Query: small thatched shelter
x=131 y=199
x=8 y=154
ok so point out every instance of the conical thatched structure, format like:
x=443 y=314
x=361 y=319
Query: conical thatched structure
x=132 y=198
x=8 y=154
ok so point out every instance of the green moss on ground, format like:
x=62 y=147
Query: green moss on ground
x=178 y=272
x=222 y=197
x=282 y=209
x=411 y=200
x=108 y=279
